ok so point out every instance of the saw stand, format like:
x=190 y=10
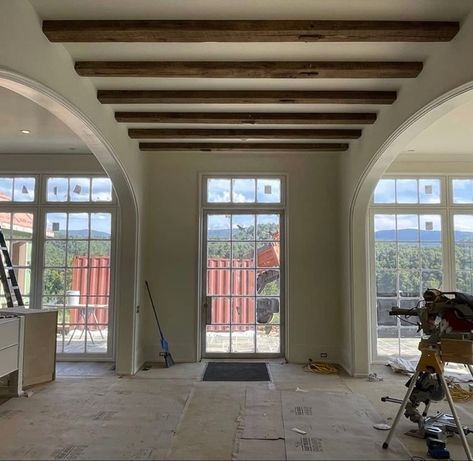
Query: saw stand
x=430 y=361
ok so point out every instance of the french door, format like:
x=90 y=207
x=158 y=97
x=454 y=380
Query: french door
x=242 y=283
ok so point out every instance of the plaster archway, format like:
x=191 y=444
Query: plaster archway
x=127 y=273
x=360 y=301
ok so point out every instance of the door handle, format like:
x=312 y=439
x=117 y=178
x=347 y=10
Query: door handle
x=208 y=310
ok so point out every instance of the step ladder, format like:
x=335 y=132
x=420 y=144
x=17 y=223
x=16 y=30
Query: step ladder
x=8 y=277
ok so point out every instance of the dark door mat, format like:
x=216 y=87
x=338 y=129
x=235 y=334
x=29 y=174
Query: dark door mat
x=236 y=371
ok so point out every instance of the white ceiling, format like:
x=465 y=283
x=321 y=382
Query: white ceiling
x=425 y=10
x=450 y=136
x=253 y=9
x=48 y=134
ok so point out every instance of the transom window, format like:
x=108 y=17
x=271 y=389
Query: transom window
x=408 y=191
x=79 y=190
x=422 y=237
x=249 y=190
x=17 y=189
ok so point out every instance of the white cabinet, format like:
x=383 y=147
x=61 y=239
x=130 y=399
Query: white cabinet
x=11 y=351
x=39 y=344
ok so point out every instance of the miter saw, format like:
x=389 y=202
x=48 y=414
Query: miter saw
x=446 y=323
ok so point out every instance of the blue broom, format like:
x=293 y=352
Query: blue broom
x=164 y=344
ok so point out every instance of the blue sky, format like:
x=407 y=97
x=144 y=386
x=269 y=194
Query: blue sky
x=407 y=191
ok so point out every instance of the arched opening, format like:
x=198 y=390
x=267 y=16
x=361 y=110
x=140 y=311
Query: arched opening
x=399 y=141
x=127 y=222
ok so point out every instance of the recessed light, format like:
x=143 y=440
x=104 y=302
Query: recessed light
x=25 y=131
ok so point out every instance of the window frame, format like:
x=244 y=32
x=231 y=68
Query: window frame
x=39 y=208
x=446 y=209
x=210 y=207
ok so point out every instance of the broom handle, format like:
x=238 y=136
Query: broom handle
x=154 y=309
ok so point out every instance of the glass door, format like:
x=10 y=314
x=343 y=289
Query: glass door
x=242 y=283
x=77 y=278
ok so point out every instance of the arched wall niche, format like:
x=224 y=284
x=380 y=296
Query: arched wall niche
x=127 y=268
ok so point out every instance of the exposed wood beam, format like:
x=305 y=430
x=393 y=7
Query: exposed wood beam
x=253 y=118
x=183 y=133
x=249 y=31
x=171 y=146
x=245 y=97
x=250 y=69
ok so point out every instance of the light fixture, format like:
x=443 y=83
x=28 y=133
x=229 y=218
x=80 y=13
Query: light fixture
x=25 y=131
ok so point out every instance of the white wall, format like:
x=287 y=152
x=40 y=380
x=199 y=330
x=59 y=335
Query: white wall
x=432 y=164
x=172 y=218
x=55 y=163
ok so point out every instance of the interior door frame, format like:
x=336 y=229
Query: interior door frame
x=241 y=208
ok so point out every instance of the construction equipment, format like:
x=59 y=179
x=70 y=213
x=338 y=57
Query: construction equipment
x=446 y=321
x=8 y=277
x=164 y=344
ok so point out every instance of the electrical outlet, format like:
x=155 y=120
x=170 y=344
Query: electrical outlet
x=323 y=355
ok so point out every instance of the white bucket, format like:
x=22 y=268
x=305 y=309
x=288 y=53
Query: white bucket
x=72 y=297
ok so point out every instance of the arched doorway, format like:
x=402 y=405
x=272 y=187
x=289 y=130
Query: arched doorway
x=358 y=222
x=127 y=293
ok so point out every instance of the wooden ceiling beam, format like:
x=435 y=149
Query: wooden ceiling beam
x=252 y=118
x=245 y=97
x=248 y=31
x=183 y=133
x=250 y=69
x=172 y=146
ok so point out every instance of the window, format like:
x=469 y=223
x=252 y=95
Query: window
x=59 y=230
x=79 y=190
x=422 y=237
x=407 y=191
x=17 y=189
x=76 y=278
x=244 y=190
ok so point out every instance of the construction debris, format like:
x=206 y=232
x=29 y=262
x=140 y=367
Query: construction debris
x=320 y=367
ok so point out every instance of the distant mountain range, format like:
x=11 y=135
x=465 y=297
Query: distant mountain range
x=426 y=236
x=218 y=233
x=83 y=234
